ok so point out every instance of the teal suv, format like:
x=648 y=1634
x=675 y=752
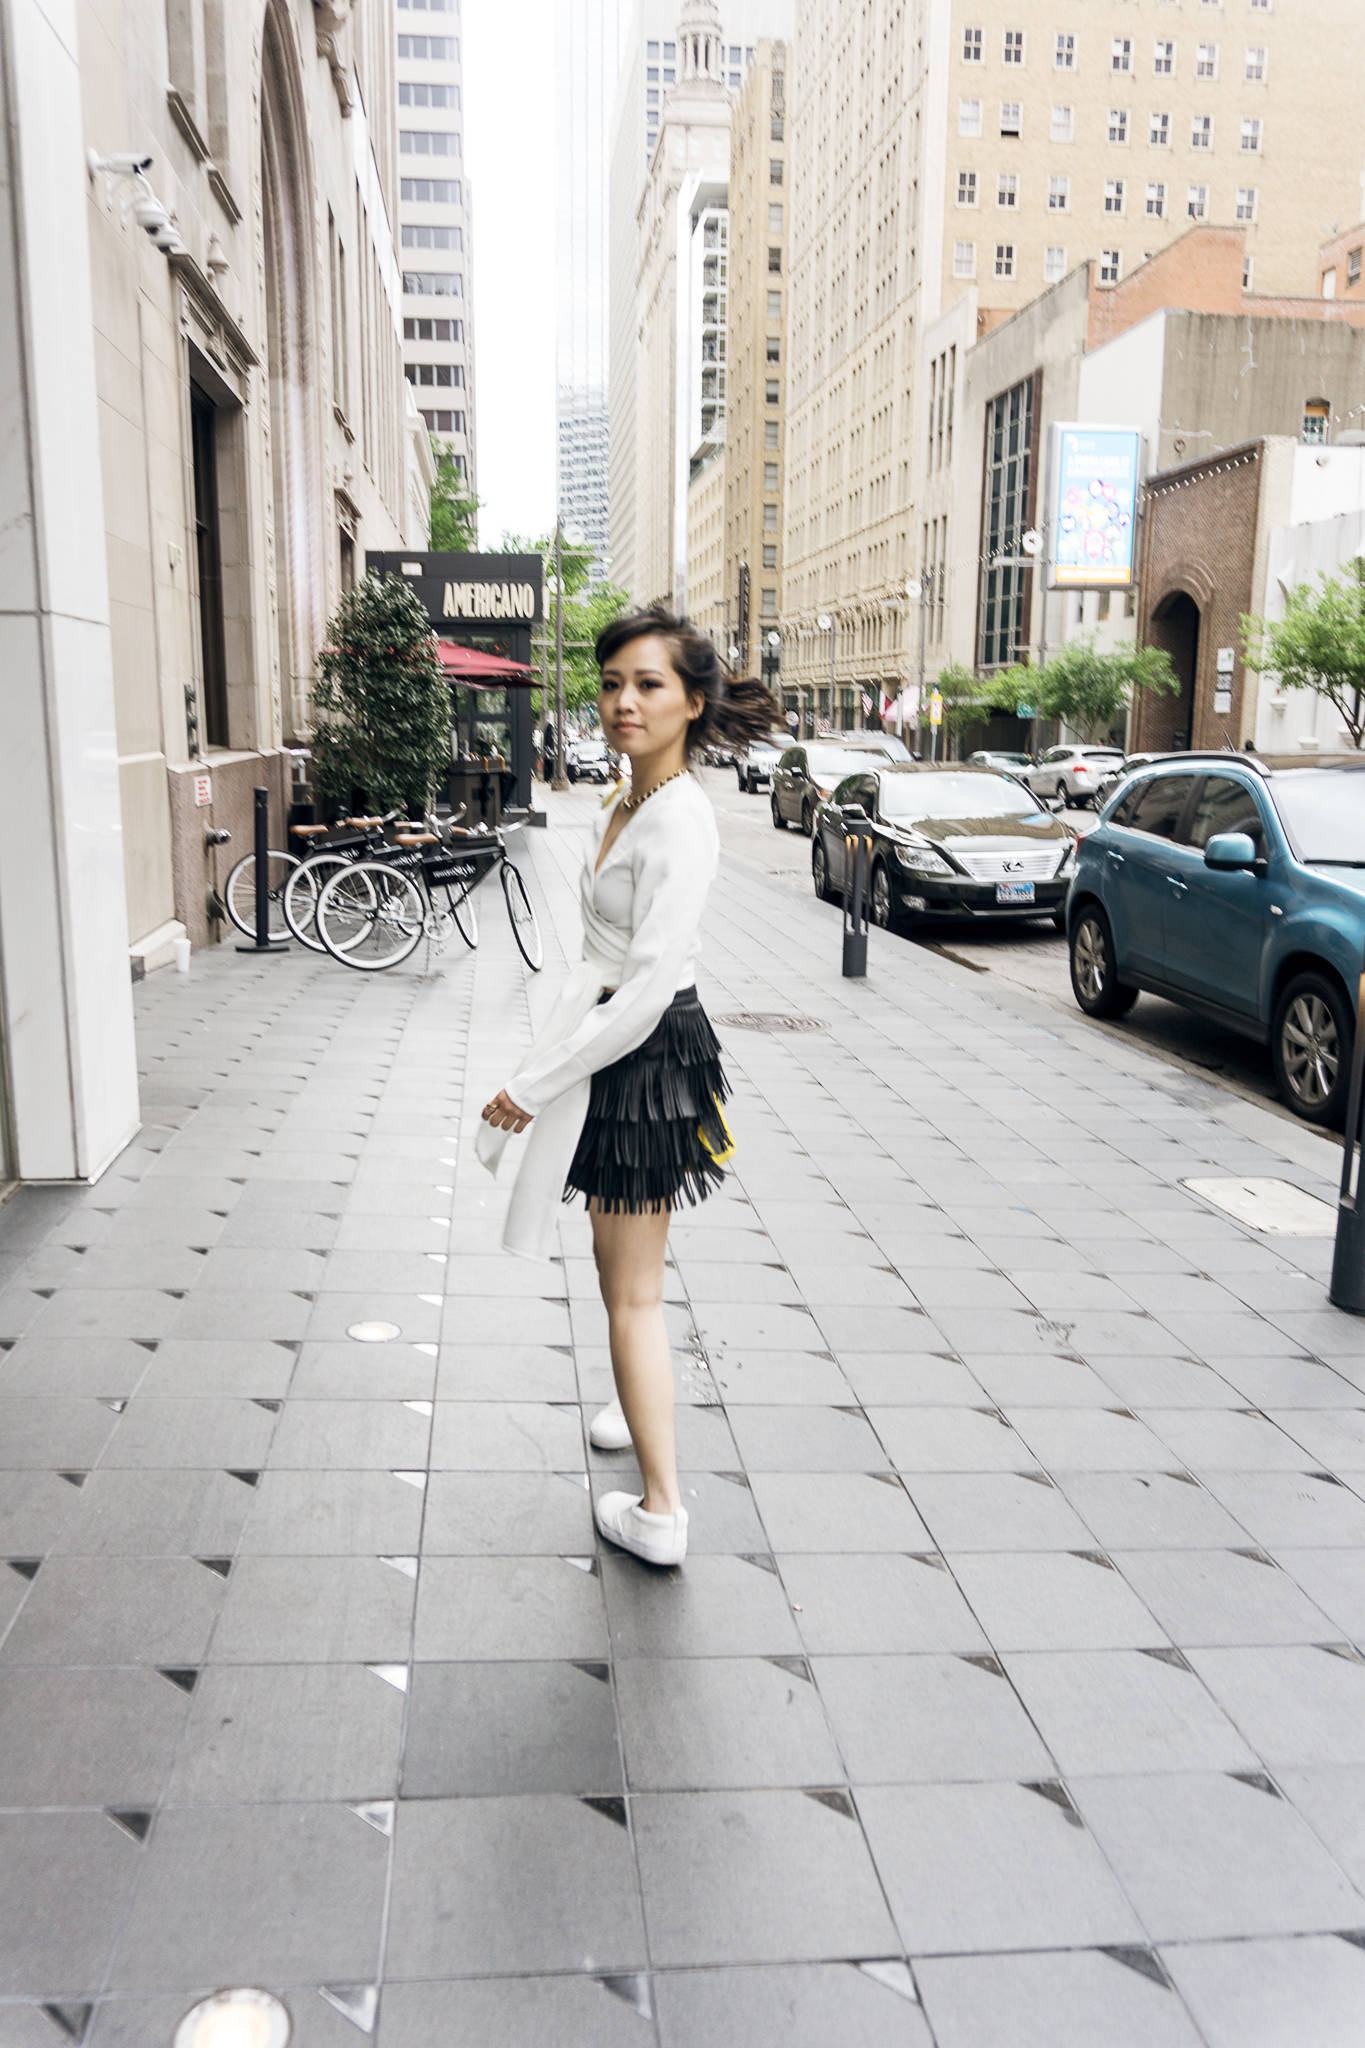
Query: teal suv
x=1235 y=886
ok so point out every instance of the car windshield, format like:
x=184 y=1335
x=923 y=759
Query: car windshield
x=831 y=763
x=1324 y=814
x=917 y=799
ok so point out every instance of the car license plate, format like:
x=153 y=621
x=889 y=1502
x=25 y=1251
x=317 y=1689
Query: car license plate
x=1014 y=892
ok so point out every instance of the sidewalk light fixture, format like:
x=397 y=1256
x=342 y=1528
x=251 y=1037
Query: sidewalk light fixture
x=235 y=2019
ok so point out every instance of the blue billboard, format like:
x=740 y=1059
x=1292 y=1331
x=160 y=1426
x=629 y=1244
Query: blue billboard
x=1095 y=474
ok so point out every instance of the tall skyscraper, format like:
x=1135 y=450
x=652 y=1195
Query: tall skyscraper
x=434 y=224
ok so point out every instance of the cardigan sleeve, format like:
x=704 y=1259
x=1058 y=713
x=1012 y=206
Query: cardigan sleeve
x=672 y=879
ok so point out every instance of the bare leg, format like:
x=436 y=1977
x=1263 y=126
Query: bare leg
x=629 y=1251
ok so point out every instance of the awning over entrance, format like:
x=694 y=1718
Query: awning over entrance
x=472 y=665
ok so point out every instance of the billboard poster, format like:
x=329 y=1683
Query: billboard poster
x=1095 y=475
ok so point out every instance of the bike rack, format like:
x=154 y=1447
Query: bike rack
x=857 y=864
x=263 y=943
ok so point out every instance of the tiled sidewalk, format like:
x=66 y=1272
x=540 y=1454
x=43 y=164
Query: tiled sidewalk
x=1010 y=1698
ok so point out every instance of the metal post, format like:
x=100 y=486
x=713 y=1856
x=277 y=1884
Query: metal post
x=857 y=851
x=923 y=624
x=1348 y=1263
x=263 y=943
x=561 y=780
x=833 y=715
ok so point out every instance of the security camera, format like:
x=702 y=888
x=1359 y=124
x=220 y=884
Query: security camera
x=167 y=240
x=150 y=215
x=125 y=166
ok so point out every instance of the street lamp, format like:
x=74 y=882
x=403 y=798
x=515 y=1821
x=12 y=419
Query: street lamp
x=573 y=534
x=826 y=625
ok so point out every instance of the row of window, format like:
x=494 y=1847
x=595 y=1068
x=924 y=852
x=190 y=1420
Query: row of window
x=1121 y=54
x=433 y=238
x=429 y=6
x=433 y=330
x=433 y=284
x=414 y=95
x=1054 y=256
x=430 y=49
x=432 y=191
x=970 y=123
x=1159 y=195
x=669 y=53
x=422 y=142
x=444 y=422
x=449 y=375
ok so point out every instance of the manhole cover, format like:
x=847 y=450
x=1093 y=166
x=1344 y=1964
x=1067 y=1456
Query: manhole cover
x=767 y=1020
x=1273 y=1206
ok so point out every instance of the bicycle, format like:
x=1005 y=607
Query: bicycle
x=239 y=892
x=373 y=914
x=354 y=840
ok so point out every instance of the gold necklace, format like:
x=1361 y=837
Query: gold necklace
x=633 y=802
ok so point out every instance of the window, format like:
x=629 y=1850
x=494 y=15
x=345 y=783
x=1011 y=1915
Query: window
x=1247 y=268
x=433 y=49
x=770 y=519
x=1315 y=416
x=1004 y=259
x=1007 y=189
x=769 y=610
x=421 y=142
x=1255 y=62
x=428 y=95
x=770 y=476
x=431 y=191
x=775 y=170
x=433 y=330
x=1159 y=806
x=777 y=128
x=1206 y=60
x=1251 y=134
x=1109 y=266
x=1054 y=264
x=773 y=349
x=433 y=284
x=1353 y=266
x=433 y=238
x=1118 y=124
x=771 y=433
x=1058 y=195
x=444 y=422
x=969 y=117
x=446 y=376
x=208 y=544
x=772 y=391
x=964 y=259
x=775 y=261
x=1113 y=195
x=1246 y=202
x=1065 y=57
x=1197 y=202
x=1014 y=46
x=775 y=219
x=770 y=554
x=972 y=52
x=652 y=50
x=1201 y=132
x=1159 y=134
x=1121 y=54
x=1063 y=124
x=1156 y=201
x=1008 y=499
x=1011 y=117
x=1224 y=805
x=1163 y=59
x=966 y=188
x=774 y=305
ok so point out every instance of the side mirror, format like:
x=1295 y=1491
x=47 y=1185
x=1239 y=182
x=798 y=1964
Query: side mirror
x=1230 y=852
x=1056 y=804
x=853 y=814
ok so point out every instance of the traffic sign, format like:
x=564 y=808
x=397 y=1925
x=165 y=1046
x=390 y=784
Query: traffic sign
x=936 y=709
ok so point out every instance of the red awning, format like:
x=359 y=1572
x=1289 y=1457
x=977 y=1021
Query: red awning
x=472 y=665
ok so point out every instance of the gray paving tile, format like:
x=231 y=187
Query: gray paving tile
x=53 y=1432
x=509 y=1372
x=773 y=1379
x=719 y=1606
x=116 y=1610
x=43 y=1366
x=1040 y=2000
x=997 y=1511
x=1150 y=1510
x=506 y=1514
x=1047 y=1380
x=567 y=2011
x=991 y=1866
x=491 y=1320
x=755 y=1877
x=255 y=1894
x=829 y=1512
x=323 y=1610
x=1257 y=1994
x=850 y=1605
x=806 y=2005
x=332 y=1514
x=1332 y=1801
x=1204 y=1857
x=1302 y=1509
x=806 y=1438
x=1224 y=1597
x=924 y=1719
x=349 y=1435
x=509 y=1607
x=65 y=1883
x=501 y=1886
x=218 y=1368
x=206 y=1432
x=288 y=1732
x=1335 y=1580
x=506 y=1436
x=155 y=1514
x=83 y=1738
x=330 y=1315
x=954 y=1439
x=885 y=1379
x=1299 y=1706
x=715 y=1722
x=349 y=1371
x=1113 y=1710
x=511 y=1727
x=1053 y=1600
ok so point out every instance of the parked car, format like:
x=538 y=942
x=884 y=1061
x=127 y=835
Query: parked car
x=1072 y=772
x=755 y=767
x=1011 y=763
x=806 y=775
x=1110 y=781
x=588 y=760
x=1235 y=886
x=946 y=842
x=878 y=742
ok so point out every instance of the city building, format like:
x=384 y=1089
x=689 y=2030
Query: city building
x=991 y=149
x=205 y=423
x=670 y=136
x=434 y=225
x=1339 y=265
x=708 y=603
x=755 y=365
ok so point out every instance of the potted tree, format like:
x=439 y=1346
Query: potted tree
x=381 y=705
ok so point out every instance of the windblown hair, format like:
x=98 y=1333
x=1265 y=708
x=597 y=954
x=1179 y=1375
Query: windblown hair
x=736 y=711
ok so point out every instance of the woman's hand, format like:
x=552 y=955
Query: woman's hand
x=504 y=1115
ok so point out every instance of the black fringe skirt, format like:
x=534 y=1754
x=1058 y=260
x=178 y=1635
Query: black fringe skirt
x=642 y=1145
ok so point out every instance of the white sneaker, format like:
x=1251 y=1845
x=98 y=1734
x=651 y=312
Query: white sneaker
x=658 y=1539
x=609 y=1430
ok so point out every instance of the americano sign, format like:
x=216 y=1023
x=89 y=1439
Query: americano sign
x=471 y=591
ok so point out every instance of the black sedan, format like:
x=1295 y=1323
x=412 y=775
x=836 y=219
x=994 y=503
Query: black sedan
x=950 y=842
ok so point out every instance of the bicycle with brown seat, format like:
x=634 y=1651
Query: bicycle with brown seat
x=375 y=912
x=239 y=890
x=324 y=851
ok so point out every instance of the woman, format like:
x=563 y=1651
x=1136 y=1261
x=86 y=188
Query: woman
x=623 y=1088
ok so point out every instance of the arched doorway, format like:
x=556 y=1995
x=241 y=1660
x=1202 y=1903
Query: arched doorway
x=1168 y=722
x=291 y=345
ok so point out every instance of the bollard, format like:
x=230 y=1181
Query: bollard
x=263 y=943
x=857 y=859
x=1348 y=1262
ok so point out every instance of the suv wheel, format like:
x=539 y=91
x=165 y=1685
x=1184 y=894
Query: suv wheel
x=1310 y=1043
x=1093 y=981
x=808 y=819
x=819 y=871
x=779 y=822
x=882 y=907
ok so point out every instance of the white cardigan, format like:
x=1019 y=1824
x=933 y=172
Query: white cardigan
x=641 y=917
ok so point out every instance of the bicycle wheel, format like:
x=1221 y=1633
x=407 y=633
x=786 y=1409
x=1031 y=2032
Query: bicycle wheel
x=456 y=899
x=301 y=893
x=239 y=893
x=370 y=916
x=525 y=928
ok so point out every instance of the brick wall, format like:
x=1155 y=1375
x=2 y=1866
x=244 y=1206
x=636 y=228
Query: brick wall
x=1199 y=539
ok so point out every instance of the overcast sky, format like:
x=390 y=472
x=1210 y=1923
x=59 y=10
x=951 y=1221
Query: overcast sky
x=510 y=162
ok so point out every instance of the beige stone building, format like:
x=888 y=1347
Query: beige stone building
x=205 y=424
x=988 y=149
x=707 y=602
x=756 y=414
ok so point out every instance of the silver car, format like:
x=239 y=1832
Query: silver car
x=1072 y=772
x=755 y=768
x=807 y=774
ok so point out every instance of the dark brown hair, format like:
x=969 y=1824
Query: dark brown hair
x=736 y=711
